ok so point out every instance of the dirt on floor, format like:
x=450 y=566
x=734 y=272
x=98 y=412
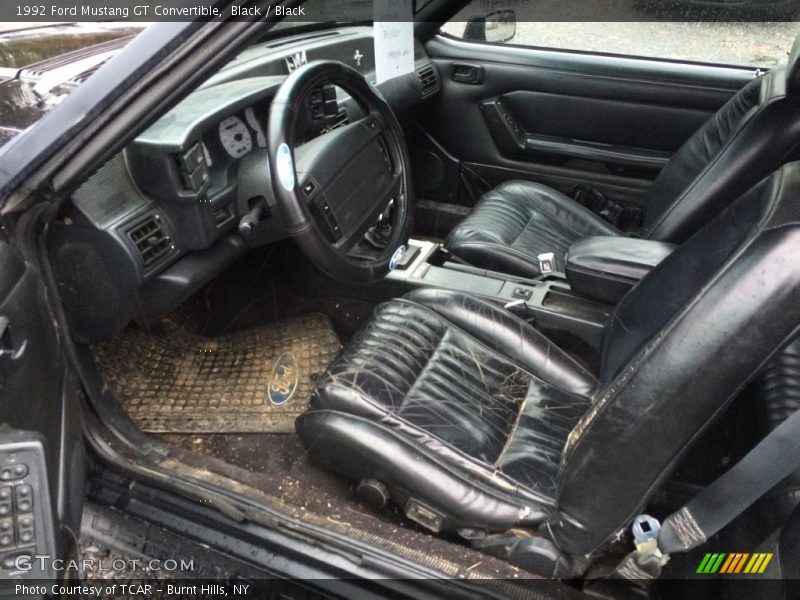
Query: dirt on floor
x=293 y=478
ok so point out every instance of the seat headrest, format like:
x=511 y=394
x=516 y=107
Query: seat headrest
x=793 y=68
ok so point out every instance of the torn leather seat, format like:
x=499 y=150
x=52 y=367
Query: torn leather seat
x=472 y=421
x=749 y=137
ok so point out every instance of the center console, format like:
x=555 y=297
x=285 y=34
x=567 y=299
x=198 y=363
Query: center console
x=570 y=307
x=546 y=301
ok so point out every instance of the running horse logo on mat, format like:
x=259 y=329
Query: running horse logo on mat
x=284 y=379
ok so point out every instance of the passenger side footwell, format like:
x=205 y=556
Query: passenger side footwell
x=258 y=380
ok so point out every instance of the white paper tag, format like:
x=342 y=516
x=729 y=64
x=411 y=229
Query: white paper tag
x=393 y=28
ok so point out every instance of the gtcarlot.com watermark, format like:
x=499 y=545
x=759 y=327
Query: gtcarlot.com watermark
x=45 y=562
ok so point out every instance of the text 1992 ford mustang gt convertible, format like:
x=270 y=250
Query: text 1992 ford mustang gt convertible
x=349 y=308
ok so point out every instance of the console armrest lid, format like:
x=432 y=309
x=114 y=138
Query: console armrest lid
x=605 y=267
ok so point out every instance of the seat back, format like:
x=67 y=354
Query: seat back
x=748 y=138
x=677 y=349
x=777 y=396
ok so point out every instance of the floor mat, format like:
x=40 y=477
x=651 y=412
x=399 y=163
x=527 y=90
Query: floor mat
x=257 y=380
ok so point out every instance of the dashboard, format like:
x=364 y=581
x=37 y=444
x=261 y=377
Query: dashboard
x=161 y=219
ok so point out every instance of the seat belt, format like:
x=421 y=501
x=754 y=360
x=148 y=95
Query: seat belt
x=774 y=458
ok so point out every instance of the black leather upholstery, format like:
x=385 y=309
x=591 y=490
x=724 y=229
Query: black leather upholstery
x=465 y=383
x=605 y=268
x=461 y=407
x=747 y=138
x=518 y=220
x=750 y=136
x=778 y=396
x=778 y=387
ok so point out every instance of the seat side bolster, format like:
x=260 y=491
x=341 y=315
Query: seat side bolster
x=740 y=310
x=777 y=391
x=367 y=449
x=496 y=257
x=510 y=336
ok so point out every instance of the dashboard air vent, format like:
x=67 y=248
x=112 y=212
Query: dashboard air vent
x=428 y=79
x=151 y=240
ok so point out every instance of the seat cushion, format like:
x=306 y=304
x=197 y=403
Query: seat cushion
x=443 y=382
x=518 y=220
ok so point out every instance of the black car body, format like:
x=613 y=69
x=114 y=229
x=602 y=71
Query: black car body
x=42 y=65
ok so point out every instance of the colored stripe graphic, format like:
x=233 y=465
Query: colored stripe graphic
x=703 y=564
x=741 y=562
x=759 y=562
x=732 y=558
x=734 y=563
x=711 y=562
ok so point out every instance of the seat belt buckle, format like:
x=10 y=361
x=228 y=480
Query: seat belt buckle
x=645 y=531
x=547 y=262
x=644 y=564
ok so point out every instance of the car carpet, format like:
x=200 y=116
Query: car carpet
x=170 y=379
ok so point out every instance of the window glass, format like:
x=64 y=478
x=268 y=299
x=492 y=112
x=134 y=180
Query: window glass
x=23 y=44
x=749 y=34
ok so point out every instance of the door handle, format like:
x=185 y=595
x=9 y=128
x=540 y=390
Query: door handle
x=466 y=73
x=8 y=350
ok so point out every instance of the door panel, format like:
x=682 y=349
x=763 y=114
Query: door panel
x=627 y=122
x=41 y=438
x=566 y=118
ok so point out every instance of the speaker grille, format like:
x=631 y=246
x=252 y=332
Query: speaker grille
x=109 y=194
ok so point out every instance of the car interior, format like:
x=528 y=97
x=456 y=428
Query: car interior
x=488 y=314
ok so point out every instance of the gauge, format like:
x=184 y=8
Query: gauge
x=206 y=154
x=235 y=137
x=261 y=139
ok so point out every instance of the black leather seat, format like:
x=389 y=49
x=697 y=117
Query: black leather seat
x=472 y=421
x=778 y=397
x=748 y=138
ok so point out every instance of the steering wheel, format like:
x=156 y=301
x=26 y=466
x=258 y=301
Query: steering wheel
x=332 y=189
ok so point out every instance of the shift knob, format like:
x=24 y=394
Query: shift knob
x=248 y=223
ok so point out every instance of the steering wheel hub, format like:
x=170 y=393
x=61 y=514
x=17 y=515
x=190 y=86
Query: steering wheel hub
x=333 y=188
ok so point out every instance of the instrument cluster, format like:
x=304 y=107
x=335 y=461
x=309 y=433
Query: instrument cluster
x=239 y=134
